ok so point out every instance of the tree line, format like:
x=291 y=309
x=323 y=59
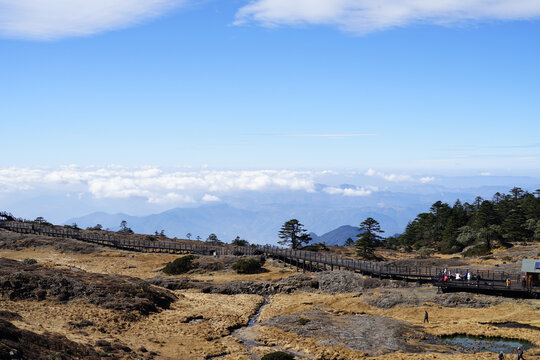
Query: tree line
x=475 y=227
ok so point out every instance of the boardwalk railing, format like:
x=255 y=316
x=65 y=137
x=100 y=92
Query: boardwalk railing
x=481 y=280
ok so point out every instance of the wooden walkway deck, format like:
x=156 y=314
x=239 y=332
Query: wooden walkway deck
x=486 y=281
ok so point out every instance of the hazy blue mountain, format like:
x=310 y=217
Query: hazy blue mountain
x=258 y=216
x=339 y=236
x=257 y=226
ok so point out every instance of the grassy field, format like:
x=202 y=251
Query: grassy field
x=370 y=319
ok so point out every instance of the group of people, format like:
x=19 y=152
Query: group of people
x=518 y=351
x=448 y=275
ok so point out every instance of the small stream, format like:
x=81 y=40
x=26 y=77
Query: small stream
x=243 y=334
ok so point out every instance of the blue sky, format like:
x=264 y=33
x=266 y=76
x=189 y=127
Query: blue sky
x=240 y=85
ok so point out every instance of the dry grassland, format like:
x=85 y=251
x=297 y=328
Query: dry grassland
x=199 y=326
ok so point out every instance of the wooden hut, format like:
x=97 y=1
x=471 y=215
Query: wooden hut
x=531 y=270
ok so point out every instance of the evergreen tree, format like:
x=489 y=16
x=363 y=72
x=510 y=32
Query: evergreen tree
x=239 y=242
x=124 y=228
x=513 y=226
x=367 y=239
x=293 y=233
x=212 y=238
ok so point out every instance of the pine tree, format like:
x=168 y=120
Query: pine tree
x=367 y=239
x=293 y=233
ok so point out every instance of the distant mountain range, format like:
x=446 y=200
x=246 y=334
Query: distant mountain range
x=258 y=216
x=260 y=226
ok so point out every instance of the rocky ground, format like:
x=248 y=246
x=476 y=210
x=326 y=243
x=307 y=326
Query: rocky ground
x=81 y=301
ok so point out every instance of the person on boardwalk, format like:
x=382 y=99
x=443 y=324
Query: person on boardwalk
x=508 y=282
x=519 y=351
x=426 y=318
x=501 y=356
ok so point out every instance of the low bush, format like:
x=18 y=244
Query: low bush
x=180 y=265
x=249 y=265
x=303 y=321
x=29 y=261
x=314 y=284
x=278 y=355
x=424 y=253
x=479 y=250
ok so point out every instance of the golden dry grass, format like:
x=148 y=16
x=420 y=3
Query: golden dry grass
x=139 y=265
x=168 y=333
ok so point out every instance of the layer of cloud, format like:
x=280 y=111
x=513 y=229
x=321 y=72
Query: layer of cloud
x=153 y=184
x=210 y=198
x=398 y=177
x=426 y=179
x=357 y=191
x=364 y=16
x=388 y=177
x=53 y=19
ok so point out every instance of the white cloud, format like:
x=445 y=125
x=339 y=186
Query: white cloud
x=485 y=174
x=388 y=177
x=364 y=16
x=427 y=179
x=210 y=198
x=152 y=184
x=53 y=19
x=348 y=191
x=398 y=177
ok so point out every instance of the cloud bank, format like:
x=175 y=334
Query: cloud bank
x=153 y=184
x=357 y=191
x=398 y=177
x=53 y=19
x=364 y=16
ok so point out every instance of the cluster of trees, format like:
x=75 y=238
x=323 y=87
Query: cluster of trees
x=476 y=228
x=479 y=226
x=293 y=234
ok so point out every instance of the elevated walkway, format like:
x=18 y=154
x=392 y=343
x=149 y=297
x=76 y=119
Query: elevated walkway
x=486 y=281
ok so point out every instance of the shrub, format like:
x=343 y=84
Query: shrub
x=477 y=251
x=143 y=285
x=238 y=253
x=180 y=265
x=248 y=265
x=314 y=284
x=240 y=242
x=98 y=227
x=303 y=321
x=424 y=253
x=278 y=355
x=29 y=261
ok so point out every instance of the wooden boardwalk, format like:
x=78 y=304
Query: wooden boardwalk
x=485 y=281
